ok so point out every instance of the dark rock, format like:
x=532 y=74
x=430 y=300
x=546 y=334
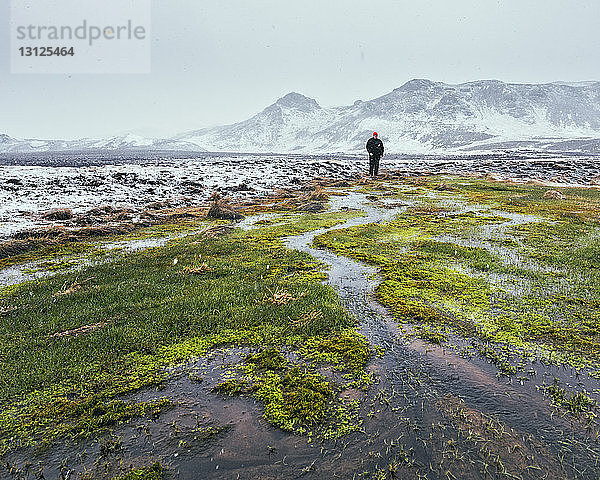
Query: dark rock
x=92 y=183
x=192 y=183
x=126 y=177
x=101 y=211
x=85 y=220
x=554 y=194
x=242 y=187
x=58 y=214
x=223 y=213
x=120 y=216
x=311 y=207
x=221 y=210
x=158 y=205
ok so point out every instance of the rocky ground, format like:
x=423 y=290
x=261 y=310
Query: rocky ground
x=33 y=185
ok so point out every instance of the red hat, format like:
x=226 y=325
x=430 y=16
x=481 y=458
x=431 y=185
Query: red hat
x=374 y=134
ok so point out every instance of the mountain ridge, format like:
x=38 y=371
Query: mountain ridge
x=420 y=116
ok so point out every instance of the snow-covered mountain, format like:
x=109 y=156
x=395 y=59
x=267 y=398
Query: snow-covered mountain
x=292 y=123
x=421 y=116
x=121 y=142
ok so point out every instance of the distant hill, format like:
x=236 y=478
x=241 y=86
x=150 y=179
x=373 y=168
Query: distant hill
x=122 y=142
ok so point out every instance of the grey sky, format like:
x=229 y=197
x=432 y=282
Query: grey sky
x=216 y=62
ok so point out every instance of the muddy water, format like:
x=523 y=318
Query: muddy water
x=430 y=414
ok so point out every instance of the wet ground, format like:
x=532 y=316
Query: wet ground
x=431 y=414
x=100 y=252
x=439 y=375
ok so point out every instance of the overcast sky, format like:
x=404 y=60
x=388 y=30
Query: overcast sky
x=221 y=61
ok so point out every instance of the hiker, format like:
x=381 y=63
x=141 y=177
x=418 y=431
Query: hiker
x=375 y=149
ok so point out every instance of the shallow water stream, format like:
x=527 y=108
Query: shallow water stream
x=443 y=376
x=431 y=414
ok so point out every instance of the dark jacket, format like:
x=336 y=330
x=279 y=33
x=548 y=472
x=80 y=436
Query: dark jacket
x=375 y=147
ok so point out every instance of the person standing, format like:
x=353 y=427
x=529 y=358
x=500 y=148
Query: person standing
x=375 y=149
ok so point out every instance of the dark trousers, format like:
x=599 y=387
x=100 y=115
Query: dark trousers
x=373 y=164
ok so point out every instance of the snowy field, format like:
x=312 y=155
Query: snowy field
x=31 y=184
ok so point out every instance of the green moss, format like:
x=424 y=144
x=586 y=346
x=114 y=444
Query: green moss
x=426 y=332
x=574 y=403
x=567 y=240
x=348 y=350
x=154 y=472
x=168 y=229
x=232 y=387
x=12 y=290
x=296 y=400
x=267 y=359
x=531 y=288
x=152 y=315
x=578 y=204
x=51 y=254
x=63 y=418
x=504 y=366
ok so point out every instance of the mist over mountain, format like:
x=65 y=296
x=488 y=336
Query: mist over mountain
x=420 y=116
x=120 y=142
